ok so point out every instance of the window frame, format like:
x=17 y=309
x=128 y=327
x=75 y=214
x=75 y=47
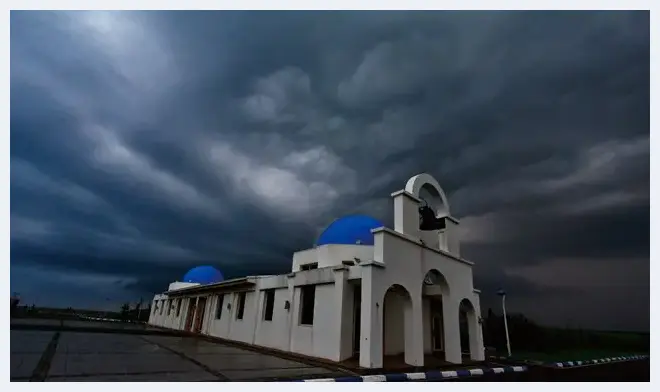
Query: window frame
x=306 y=317
x=269 y=304
x=241 y=298
x=309 y=266
x=220 y=302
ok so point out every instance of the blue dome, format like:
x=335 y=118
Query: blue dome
x=204 y=274
x=350 y=230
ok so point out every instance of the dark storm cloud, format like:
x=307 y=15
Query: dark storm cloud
x=134 y=136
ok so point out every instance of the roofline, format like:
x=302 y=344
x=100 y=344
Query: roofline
x=245 y=282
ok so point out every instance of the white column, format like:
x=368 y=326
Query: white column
x=474 y=330
x=344 y=313
x=452 y=240
x=477 y=352
x=452 y=329
x=292 y=321
x=371 y=323
x=184 y=312
x=414 y=331
x=406 y=214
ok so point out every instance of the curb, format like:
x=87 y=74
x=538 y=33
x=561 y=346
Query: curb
x=425 y=376
x=598 y=361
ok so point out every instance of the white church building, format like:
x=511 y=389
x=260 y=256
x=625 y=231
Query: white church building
x=363 y=291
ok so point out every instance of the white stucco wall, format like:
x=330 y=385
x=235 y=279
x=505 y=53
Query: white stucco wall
x=319 y=339
x=274 y=333
x=161 y=317
x=158 y=315
x=284 y=332
x=307 y=256
x=332 y=255
x=408 y=263
x=243 y=330
x=221 y=327
x=180 y=285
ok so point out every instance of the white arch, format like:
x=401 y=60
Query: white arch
x=415 y=184
x=397 y=321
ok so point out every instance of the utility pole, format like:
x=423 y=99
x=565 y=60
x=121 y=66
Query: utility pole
x=502 y=294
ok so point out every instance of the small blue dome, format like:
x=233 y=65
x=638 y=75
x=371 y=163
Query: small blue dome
x=204 y=274
x=350 y=230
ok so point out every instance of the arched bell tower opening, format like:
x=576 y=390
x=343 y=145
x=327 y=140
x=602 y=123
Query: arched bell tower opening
x=422 y=211
x=425 y=187
x=431 y=197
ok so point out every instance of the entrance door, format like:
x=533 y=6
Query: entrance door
x=357 y=314
x=437 y=332
x=199 y=316
x=191 y=314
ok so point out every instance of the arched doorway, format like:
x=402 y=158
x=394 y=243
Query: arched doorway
x=435 y=290
x=469 y=329
x=397 y=319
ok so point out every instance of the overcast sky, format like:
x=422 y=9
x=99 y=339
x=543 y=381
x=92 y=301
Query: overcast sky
x=134 y=134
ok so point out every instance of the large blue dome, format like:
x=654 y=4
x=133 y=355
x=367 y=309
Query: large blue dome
x=204 y=274
x=350 y=230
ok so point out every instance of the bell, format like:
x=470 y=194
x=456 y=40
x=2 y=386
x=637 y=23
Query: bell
x=428 y=220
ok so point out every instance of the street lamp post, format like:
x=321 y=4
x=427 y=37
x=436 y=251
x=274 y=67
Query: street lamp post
x=502 y=294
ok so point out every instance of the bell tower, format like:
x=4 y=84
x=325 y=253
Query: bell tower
x=421 y=211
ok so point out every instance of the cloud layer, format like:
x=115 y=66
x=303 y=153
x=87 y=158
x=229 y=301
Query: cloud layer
x=143 y=143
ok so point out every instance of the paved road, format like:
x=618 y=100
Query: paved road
x=84 y=356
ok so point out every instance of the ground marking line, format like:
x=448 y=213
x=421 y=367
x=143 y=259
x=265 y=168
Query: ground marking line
x=43 y=366
x=221 y=376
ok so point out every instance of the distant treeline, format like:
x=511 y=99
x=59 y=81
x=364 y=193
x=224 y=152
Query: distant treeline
x=526 y=335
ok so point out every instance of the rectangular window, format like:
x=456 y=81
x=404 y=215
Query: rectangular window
x=241 y=305
x=348 y=263
x=310 y=266
x=162 y=307
x=269 y=304
x=218 y=306
x=307 y=295
x=178 y=307
x=169 y=307
x=155 y=307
